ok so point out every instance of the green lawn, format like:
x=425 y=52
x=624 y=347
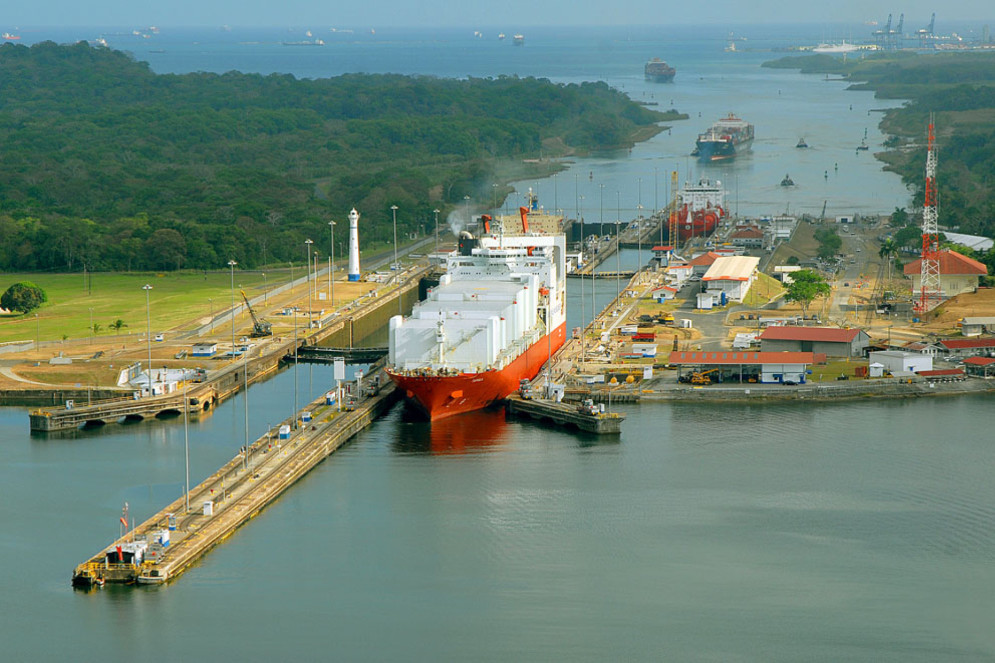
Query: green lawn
x=176 y=298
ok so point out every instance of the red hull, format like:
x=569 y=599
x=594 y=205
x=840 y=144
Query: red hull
x=444 y=396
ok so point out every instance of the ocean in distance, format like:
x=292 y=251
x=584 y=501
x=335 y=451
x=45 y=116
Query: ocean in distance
x=831 y=531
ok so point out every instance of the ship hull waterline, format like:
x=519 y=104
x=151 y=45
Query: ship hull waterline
x=448 y=395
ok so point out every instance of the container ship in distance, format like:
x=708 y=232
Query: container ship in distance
x=498 y=314
x=700 y=207
x=724 y=139
x=658 y=71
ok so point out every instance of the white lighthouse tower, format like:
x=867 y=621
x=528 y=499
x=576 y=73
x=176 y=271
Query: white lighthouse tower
x=354 y=245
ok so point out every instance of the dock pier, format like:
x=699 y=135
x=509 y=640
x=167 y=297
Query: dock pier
x=161 y=548
x=599 y=423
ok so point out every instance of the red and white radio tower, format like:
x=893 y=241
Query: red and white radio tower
x=930 y=292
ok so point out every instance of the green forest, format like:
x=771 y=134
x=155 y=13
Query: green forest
x=959 y=89
x=109 y=165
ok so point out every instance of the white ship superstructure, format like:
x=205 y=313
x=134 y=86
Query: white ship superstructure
x=499 y=296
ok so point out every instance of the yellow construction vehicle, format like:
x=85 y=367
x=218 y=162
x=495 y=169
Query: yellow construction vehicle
x=702 y=378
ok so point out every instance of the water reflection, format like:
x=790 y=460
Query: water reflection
x=471 y=432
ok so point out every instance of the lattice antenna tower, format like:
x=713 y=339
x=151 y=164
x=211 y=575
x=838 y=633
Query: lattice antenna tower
x=672 y=233
x=930 y=288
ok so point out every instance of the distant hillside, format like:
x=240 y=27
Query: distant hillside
x=108 y=163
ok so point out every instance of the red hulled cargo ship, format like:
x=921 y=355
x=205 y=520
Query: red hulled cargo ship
x=498 y=314
x=700 y=207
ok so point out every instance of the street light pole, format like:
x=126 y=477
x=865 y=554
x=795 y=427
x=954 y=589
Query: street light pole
x=265 y=288
x=148 y=331
x=309 y=243
x=331 y=264
x=186 y=443
x=231 y=264
x=601 y=221
x=397 y=267
x=91 y=326
x=437 y=229
x=211 y=300
x=37 y=332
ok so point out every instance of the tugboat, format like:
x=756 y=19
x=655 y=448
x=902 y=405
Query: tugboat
x=787 y=181
x=863 y=143
x=801 y=143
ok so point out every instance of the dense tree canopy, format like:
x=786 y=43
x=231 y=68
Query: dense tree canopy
x=23 y=297
x=806 y=285
x=108 y=164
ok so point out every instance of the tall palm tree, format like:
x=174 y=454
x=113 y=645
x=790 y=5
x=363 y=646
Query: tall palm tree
x=888 y=251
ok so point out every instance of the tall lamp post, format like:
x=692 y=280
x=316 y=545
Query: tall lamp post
x=148 y=331
x=91 y=325
x=265 y=288
x=308 y=242
x=639 y=238
x=437 y=229
x=583 y=324
x=211 y=300
x=231 y=264
x=331 y=263
x=601 y=215
x=397 y=267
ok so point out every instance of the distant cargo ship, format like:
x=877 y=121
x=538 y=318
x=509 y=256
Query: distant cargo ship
x=841 y=47
x=724 y=139
x=700 y=207
x=11 y=37
x=658 y=71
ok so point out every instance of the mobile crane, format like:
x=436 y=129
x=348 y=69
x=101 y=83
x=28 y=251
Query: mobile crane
x=259 y=327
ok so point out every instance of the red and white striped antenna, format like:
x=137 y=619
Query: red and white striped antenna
x=930 y=291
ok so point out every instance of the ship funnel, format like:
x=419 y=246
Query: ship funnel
x=467 y=243
x=524 y=211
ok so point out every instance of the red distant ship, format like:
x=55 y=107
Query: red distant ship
x=10 y=37
x=700 y=207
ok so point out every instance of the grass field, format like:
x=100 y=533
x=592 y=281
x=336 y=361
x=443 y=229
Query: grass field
x=176 y=298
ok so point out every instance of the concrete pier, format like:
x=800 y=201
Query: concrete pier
x=232 y=495
x=600 y=423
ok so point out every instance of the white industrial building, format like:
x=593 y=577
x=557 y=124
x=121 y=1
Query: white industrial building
x=732 y=276
x=902 y=363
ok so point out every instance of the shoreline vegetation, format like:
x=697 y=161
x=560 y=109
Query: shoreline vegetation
x=958 y=89
x=110 y=166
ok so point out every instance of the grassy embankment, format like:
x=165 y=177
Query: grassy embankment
x=176 y=299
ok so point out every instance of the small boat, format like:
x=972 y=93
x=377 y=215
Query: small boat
x=787 y=181
x=501 y=36
x=519 y=39
x=863 y=142
x=801 y=143
x=11 y=37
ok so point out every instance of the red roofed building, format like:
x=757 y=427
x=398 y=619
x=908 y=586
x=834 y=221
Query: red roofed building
x=831 y=341
x=767 y=367
x=958 y=273
x=701 y=263
x=747 y=236
x=967 y=347
x=981 y=366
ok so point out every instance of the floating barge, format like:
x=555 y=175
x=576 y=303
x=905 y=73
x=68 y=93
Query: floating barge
x=584 y=417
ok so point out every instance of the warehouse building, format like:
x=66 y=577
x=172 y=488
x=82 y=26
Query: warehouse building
x=969 y=347
x=900 y=363
x=831 y=341
x=731 y=276
x=763 y=367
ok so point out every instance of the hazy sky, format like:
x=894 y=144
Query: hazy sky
x=476 y=13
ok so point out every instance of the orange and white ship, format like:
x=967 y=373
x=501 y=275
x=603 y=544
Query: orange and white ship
x=497 y=315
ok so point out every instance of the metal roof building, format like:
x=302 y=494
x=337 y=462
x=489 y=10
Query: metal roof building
x=765 y=367
x=732 y=275
x=831 y=341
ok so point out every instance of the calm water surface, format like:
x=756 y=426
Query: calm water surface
x=850 y=531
